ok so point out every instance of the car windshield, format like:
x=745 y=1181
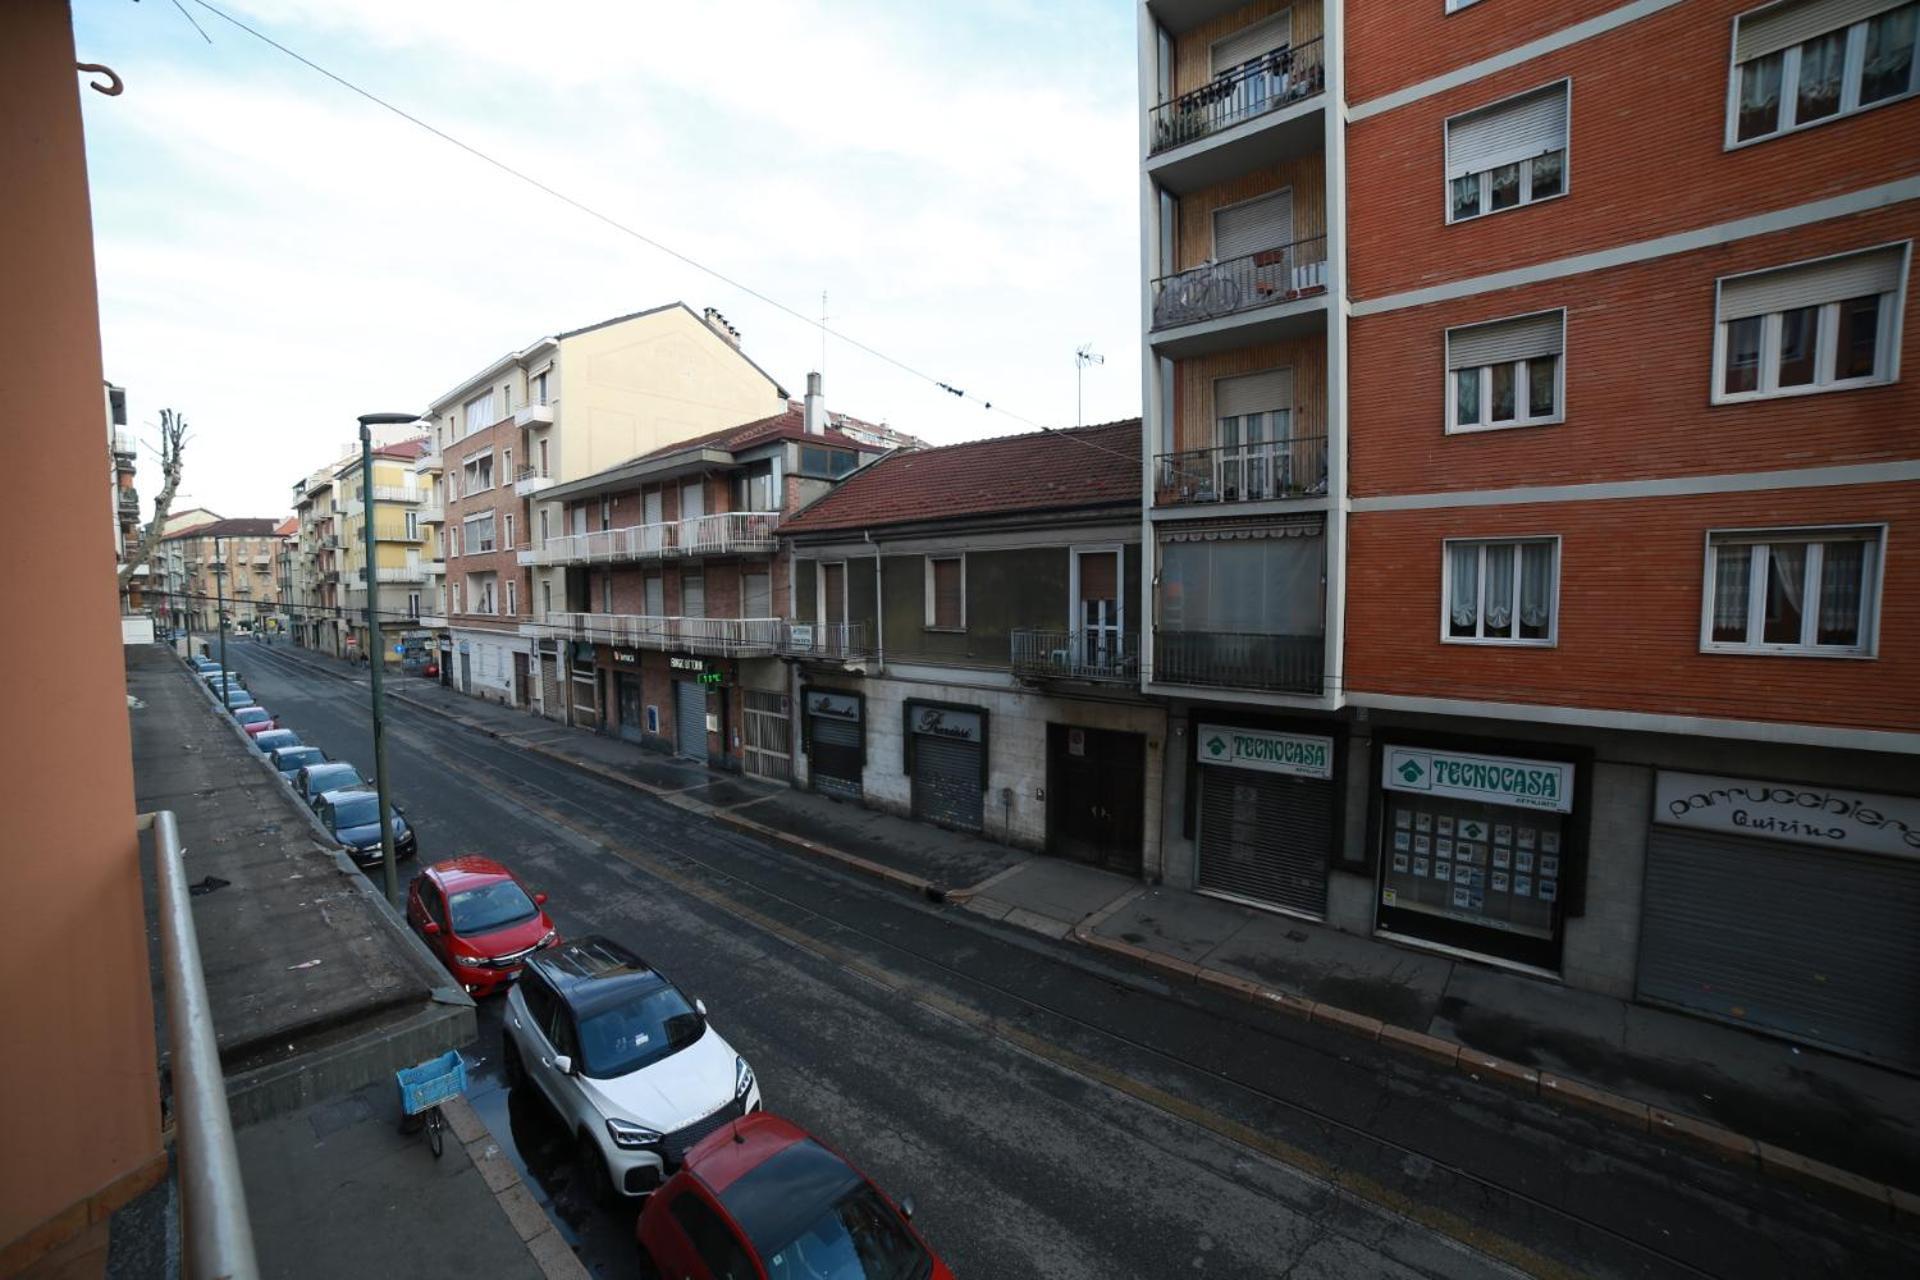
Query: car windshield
x=332 y=778
x=638 y=1033
x=356 y=811
x=858 y=1238
x=491 y=906
x=299 y=756
x=253 y=716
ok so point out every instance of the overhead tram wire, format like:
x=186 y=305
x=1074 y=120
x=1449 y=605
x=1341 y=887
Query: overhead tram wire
x=617 y=225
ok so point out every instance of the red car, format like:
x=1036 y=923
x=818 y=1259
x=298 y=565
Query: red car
x=255 y=720
x=478 y=919
x=760 y=1200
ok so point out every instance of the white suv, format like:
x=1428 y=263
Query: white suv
x=631 y=1065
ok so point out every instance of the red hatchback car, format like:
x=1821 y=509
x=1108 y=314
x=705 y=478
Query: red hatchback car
x=760 y=1200
x=475 y=916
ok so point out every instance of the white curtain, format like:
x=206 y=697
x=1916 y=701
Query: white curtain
x=1732 y=570
x=1498 y=602
x=1842 y=571
x=1536 y=586
x=1464 y=607
x=1263 y=586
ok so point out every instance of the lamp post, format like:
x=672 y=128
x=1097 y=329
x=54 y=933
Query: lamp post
x=376 y=658
x=220 y=595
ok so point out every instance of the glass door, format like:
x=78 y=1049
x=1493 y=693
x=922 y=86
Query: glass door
x=1098 y=640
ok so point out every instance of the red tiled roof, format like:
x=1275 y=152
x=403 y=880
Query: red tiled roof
x=242 y=527
x=1040 y=471
x=405 y=450
x=288 y=527
x=791 y=425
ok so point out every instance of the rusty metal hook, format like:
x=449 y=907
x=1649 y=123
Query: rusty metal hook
x=114 y=86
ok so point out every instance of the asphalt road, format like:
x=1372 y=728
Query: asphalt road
x=1055 y=1114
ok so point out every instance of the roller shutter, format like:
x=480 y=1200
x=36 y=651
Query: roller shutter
x=833 y=756
x=946 y=782
x=1855 y=275
x=690 y=719
x=1815 y=944
x=1251 y=41
x=1517 y=129
x=1256 y=225
x=1264 y=837
x=1504 y=341
x=1785 y=25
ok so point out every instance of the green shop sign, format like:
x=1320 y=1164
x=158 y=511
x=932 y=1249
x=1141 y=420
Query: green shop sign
x=1529 y=784
x=1302 y=755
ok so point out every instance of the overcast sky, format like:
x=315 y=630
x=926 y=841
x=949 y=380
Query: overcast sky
x=277 y=255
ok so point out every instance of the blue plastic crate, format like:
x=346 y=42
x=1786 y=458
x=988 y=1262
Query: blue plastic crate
x=432 y=1083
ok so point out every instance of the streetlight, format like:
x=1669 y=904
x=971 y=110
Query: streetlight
x=220 y=595
x=376 y=658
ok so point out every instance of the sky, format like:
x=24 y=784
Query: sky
x=278 y=255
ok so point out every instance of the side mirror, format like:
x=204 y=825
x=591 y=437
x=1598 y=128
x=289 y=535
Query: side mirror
x=700 y=1007
x=430 y=928
x=563 y=1064
x=539 y=899
x=906 y=1208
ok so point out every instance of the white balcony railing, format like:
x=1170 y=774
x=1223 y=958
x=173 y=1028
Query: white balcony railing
x=727 y=533
x=402 y=573
x=726 y=636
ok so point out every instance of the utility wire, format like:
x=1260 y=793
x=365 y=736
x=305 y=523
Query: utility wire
x=610 y=221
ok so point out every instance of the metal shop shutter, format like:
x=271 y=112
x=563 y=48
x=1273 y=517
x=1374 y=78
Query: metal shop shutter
x=1818 y=945
x=833 y=756
x=690 y=719
x=550 y=688
x=1265 y=837
x=946 y=781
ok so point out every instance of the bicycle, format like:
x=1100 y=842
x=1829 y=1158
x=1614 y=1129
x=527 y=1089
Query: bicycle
x=424 y=1088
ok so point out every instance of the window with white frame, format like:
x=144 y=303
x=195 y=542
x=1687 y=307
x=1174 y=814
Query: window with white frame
x=946 y=578
x=478 y=473
x=478 y=531
x=1506 y=373
x=1455 y=6
x=1807 y=61
x=479 y=413
x=1503 y=591
x=480 y=592
x=506 y=531
x=453 y=540
x=606 y=592
x=540 y=387
x=1793 y=591
x=1508 y=154
x=512 y=603
x=1816 y=326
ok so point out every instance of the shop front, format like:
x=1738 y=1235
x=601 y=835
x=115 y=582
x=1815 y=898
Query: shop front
x=630 y=697
x=835 y=740
x=1786 y=907
x=946 y=747
x=1477 y=853
x=1266 y=816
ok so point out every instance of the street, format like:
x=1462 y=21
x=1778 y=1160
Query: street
x=1053 y=1114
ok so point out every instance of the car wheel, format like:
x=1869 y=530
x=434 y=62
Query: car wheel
x=510 y=1065
x=594 y=1178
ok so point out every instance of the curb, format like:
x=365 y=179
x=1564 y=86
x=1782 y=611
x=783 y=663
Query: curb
x=1701 y=1136
x=529 y=1221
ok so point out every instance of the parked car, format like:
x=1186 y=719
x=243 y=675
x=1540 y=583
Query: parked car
x=255 y=720
x=315 y=780
x=762 y=1198
x=203 y=664
x=633 y=1068
x=290 y=760
x=274 y=739
x=431 y=670
x=217 y=675
x=353 y=816
x=477 y=918
x=238 y=698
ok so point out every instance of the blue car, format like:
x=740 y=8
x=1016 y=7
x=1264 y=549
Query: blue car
x=354 y=819
x=315 y=780
x=271 y=740
x=290 y=760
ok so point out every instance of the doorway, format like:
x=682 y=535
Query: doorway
x=1096 y=806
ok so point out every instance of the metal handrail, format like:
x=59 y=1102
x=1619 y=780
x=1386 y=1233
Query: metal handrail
x=216 y=1234
x=722 y=533
x=1283 y=273
x=1266 y=83
x=658 y=631
x=1092 y=654
x=843 y=640
x=1257 y=471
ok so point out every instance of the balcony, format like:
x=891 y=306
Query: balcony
x=130 y=502
x=1094 y=656
x=1222 y=660
x=727 y=637
x=727 y=533
x=533 y=415
x=432 y=512
x=1269 y=296
x=530 y=480
x=1275 y=470
x=826 y=641
x=1208 y=134
x=329 y=576
x=402 y=573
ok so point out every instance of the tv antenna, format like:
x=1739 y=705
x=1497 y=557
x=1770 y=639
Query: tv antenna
x=1081 y=359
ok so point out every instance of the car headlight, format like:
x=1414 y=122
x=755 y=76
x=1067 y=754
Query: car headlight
x=472 y=962
x=553 y=936
x=629 y=1135
x=742 y=1077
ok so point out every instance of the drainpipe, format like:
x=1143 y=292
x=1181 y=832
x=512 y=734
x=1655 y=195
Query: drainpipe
x=879 y=606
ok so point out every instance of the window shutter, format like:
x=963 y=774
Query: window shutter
x=1100 y=576
x=1250 y=42
x=652 y=509
x=1834 y=280
x=1503 y=341
x=946 y=593
x=1785 y=25
x=1513 y=130
x=1269 y=392
x=693 y=595
x=756 y=595
x=1266 y=223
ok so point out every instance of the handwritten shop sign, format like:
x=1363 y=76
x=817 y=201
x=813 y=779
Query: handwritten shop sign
x=1299 y=754
x=1527 y=784
x=833 y=706
x=944 y=722
x=1789 y=811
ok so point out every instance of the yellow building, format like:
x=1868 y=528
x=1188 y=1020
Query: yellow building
x=401 y=551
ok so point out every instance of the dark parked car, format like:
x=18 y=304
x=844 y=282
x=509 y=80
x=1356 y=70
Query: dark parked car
x=314 y=780
x=354 y=818
x=290 y=760
x=273 y=739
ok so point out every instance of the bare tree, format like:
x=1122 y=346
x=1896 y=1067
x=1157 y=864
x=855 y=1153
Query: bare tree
x=173 y=440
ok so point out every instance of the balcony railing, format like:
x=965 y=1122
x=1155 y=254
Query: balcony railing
x=528 y=480
x=1076 y=655
x=402 y=573
x=826 y=641
x=726 y=533
x=1284 y=273
x=725 y=636
x=1272 y=469
x=1227 y=660
x=1259 y=85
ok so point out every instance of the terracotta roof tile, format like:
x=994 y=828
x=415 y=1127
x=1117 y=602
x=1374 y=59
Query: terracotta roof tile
x=791 y=425
x=1039 y=471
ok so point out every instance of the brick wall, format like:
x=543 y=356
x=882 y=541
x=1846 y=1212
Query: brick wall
x=501 y=501
x=1395 y=43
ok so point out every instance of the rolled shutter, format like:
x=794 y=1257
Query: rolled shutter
x=1099 y=576
x=946 y=593
x=1503 y=341
x=1266 y=223
x=1831 y=280
x=1513 y=130
x=1250 y=42
x=1267 y=392
x=1785 y=25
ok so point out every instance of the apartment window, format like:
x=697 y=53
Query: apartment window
x=412 y=525
x=606 y=593
x=946 y=578
x=459 y=598
x=1502 y=592
x=1455 y=6
x=479 y=534
x=1816 y=326
x=506 y=398
x=546 y=598
x=693 y=595
x=506 y=531
x=606 y=513
x=540 y=391
x=479 y=413
x=756 y=593
x=506 y=465
x=1506 y=373
x=1800 y=63
x=512 y=603
x=825 y=464
x=1793 y=591
x=654 y=596
x=453 y=540
x=1509 y=154
x=753 y=489
x=413 y=604
x=478 y=473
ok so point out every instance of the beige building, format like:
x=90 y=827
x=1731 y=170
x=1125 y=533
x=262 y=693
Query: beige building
x=231 y=558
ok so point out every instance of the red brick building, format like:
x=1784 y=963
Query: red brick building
x=1607 y=448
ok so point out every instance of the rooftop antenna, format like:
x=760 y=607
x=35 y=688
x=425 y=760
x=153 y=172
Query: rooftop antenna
x=1081 y=359
x=823 y=334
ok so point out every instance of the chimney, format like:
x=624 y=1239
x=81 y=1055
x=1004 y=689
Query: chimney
x=816 y=407
x=718 y=323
